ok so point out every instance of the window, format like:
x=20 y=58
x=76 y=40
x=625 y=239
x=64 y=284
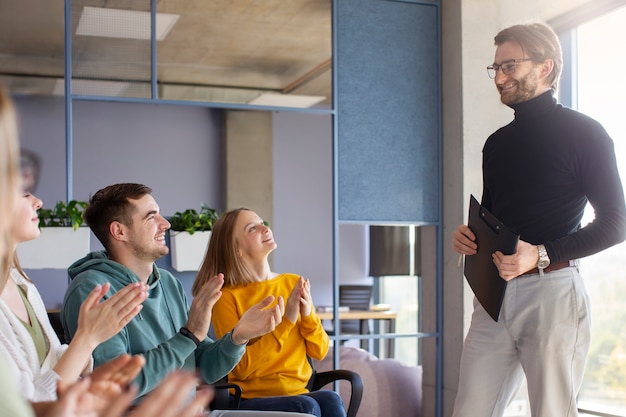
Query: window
x=600 y=94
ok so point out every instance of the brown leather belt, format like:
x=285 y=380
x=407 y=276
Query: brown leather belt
x=552 y=267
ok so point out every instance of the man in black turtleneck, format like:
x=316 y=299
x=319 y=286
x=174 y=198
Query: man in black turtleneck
x=539 y=171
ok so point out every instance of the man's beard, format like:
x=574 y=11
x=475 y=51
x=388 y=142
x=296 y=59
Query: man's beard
x=151 y=254
x=526 y=89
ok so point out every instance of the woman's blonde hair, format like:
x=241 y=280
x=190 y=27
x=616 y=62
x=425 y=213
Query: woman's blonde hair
x=9 y=179
x=222 y=254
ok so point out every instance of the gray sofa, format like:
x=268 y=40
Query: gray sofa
x=390 y=389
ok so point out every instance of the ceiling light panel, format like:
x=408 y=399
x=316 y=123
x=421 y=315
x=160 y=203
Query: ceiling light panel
x=286 y=100
x=127 y=24
x=92 y=88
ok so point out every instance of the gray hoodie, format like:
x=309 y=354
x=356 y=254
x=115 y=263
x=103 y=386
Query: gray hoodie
x=154 y=333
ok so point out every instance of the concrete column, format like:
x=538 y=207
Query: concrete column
x=248 y=162
x=453 y=197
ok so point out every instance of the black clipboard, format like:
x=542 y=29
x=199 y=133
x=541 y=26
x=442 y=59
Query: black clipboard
x=480 y=271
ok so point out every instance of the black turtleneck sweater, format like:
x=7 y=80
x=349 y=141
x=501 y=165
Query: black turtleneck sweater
x=540 y=170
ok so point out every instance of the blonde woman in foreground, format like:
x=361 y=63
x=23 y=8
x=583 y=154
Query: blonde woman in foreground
x=39 y=360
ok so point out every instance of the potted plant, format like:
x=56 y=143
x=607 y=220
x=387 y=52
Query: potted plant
x=62 y=240
x=63 y=215
x=189 y=236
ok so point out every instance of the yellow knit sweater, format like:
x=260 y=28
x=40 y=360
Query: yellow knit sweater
x=276 y=363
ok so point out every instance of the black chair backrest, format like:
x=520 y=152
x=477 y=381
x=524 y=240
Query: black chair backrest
x=55 y=319
x=357 y=297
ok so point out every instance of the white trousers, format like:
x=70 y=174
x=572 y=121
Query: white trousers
x=543 y=333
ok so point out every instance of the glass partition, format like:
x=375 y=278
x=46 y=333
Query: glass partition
x=111 y=49
x=268 y=53
x=263 y=53
x=32 y=46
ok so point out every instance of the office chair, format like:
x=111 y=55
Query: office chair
x=318 y=381
x=357 y=297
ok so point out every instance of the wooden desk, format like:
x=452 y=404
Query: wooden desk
x=388 y=317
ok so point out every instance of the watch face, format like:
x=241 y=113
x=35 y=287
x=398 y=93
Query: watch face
x=543 y=264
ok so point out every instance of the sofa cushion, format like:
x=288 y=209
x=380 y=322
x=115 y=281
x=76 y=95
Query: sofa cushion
x=390 y=388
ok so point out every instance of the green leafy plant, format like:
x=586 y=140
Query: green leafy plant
x=192 y=221
x=63 y=214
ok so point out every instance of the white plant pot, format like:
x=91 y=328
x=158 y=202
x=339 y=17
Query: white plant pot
x=188 y=250
x=56 y=248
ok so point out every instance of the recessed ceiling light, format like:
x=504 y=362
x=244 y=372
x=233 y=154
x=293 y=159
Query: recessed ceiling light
x=286 y=100
x=127 y=24
x=92 y=88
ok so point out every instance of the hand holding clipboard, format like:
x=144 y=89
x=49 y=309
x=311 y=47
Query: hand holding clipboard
x=480 y=271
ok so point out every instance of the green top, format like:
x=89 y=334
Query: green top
x=34 y=329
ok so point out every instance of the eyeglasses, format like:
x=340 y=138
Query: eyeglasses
x=507 y=67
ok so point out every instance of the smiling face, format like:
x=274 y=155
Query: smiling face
x=525 y=83
x=255 y=241
x=26 y=222
x=146 y=235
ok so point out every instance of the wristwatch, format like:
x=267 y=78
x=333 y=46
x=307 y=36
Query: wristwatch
x=544 y=259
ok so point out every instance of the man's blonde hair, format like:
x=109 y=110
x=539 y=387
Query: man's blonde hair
x=539 y=42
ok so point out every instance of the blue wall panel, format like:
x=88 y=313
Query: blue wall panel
x=388 y=107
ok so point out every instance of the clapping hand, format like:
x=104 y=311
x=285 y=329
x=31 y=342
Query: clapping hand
x=112 y=378
x=93 y=395
x=259 y=320
x=299 y=301
x=306 y=300
x=292 y=309
x=169 y=399
x=99 y=321
x=201 y=308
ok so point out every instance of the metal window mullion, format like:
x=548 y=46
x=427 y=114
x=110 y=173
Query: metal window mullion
x=69 y=168
x=153 y=51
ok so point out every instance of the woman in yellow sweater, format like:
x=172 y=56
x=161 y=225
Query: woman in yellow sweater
x=274 y=371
